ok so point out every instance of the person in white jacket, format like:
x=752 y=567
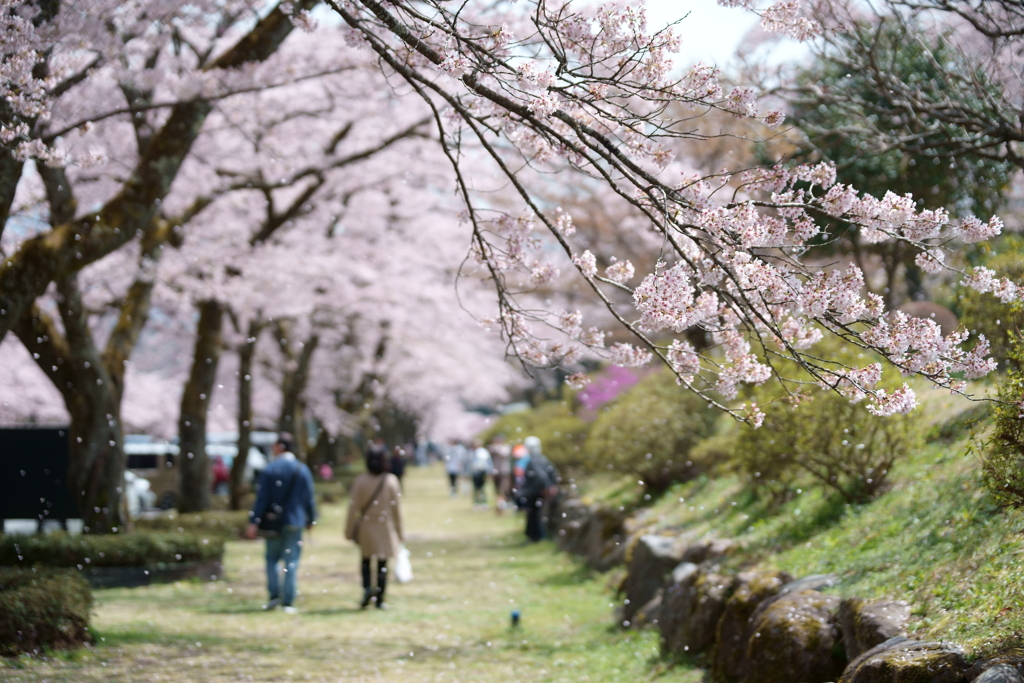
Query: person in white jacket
x=454 y=460
x=480 y=465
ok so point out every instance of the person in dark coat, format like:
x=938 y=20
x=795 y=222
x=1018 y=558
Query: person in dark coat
x=286 y=489
x=536 y=481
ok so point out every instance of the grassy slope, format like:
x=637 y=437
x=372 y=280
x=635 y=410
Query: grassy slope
x=450 y=624
x=934 y=538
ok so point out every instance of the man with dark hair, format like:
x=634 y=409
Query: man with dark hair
x=286 y=496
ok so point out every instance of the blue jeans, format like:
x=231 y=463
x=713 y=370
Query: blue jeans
x=286 y=547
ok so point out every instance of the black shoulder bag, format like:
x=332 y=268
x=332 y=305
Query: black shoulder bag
x=362 y=513
x=272 y=522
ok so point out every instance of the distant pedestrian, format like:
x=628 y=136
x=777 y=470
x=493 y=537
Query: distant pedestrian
x=326 y=471
x=501 y=470
x=454 y=456
x=375 y=523
x=284 y=506
x=398 y=462
x=536 y=482
x=480 y=465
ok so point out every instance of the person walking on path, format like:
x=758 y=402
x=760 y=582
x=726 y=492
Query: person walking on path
x=375 y=522
x=480 y=465
x=453 y=458
x=501 y=471
x=536 y=482
x=286 y=494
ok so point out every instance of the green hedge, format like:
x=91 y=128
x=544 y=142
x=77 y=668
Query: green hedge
x=649 y=432
x=842 y=446
x=127 y=550
x=229 y=523
x=42 y=609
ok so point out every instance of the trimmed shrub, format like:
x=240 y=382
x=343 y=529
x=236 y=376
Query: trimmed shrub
x=1002 y=461
x=649 y=432
x=228 y=523
x=42 y=609
x=561 y=432
x=111 y=550
x=840 y=444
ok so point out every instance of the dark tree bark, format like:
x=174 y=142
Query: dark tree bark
x=245 y=359
x=293 y=383
x=74 y=364
x=196 y=477
x=92 y=385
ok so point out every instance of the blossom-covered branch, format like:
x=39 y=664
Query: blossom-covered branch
x=590 y=91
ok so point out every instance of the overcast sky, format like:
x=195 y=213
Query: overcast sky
x=710 y=32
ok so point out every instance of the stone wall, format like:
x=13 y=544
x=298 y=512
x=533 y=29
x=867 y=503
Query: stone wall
x=758 y=626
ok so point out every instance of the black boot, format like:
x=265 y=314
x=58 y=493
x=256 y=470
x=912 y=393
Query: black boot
x=382 y=581
x=367 y=588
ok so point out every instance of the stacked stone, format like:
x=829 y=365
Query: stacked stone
x=761 y=626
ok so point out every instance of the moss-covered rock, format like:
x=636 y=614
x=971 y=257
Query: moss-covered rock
x=1000 y=673
x=652 y=559
x=733 y=630
x=604 y=538
x=708 y=550
x=866 y=624
x=901 y=660
x=1013 y=658
x=691 y=611
x=571 y=518
x=795 y=639
x=592 y=532
x=650 y=614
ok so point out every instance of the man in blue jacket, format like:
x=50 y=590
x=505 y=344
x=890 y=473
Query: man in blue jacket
x=286 y=490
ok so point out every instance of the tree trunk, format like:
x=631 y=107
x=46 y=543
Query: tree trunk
x=96 y=458
x=196 y=477
x=92 y=386
x=293 y=383
x=96 y=454
x=245 y=358
x=74 y=365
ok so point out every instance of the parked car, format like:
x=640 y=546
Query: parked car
x=155 y=462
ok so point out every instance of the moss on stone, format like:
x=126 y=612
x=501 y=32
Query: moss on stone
x=795 y=639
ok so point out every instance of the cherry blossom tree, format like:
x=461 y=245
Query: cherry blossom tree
x=552 y=87
x=107 y=103
x=517 y=92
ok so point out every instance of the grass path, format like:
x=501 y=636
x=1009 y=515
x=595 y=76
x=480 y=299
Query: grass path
x=451 y=624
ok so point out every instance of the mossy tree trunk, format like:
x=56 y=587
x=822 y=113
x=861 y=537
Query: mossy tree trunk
x=196 y=477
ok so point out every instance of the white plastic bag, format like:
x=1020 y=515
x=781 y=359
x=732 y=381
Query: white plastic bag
x=403 y=567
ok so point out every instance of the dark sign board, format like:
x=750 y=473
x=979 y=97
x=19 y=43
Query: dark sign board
x=33 y=474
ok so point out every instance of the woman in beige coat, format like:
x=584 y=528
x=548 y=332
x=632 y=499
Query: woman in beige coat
x=375 y=521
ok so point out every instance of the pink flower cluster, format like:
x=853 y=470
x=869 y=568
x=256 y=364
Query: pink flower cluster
x=668 y=299
x=629 y=356
x=916 y=345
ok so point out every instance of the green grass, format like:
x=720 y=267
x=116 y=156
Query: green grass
x=934 y=538
x=450 y=624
